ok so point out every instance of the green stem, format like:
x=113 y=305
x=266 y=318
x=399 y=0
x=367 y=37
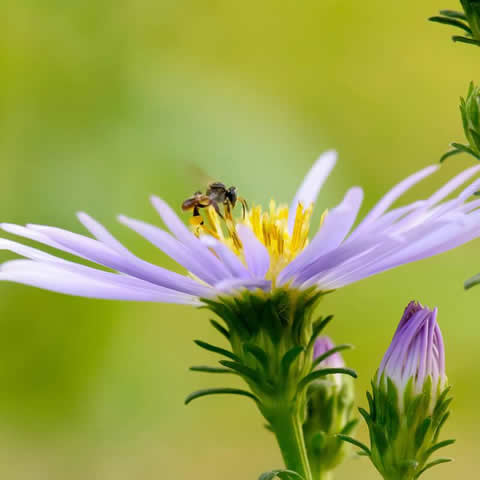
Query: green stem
x=288 y=429
x=324 y=475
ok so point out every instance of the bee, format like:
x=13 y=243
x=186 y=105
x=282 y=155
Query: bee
x=217 y=195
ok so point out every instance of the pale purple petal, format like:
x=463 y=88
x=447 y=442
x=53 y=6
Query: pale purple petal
x=235 y=284
x=93 y=250
x=255 y=253
x=184 y=235
x=335 y=228
x=208 y=272
x=312 y=183
x=231 y=261
x=52 y=277
x=396 y=192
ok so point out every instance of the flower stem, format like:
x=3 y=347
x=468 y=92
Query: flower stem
x=287 y=427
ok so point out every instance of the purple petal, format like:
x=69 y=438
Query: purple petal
x=92 y=250
x=176 y=250
x=234 y=284
x=255 y=253
x=54 y=278
x=312 y=183
x=231 y=261
x=335 y=228
x=396 y=192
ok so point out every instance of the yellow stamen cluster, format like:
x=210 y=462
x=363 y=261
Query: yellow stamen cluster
x=270 y=227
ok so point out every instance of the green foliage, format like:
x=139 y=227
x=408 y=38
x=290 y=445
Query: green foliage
x=469 y=110
x=468 y=21
x=281 y=474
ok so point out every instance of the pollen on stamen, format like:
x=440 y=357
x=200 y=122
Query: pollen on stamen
x=270 y=227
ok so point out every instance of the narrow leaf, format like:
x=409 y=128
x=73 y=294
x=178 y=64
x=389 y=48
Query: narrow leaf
x=322 y=373
x=208 y=369
x=242 y=370
x=220 y=328
x=438 y=446
x=450 y=153
x=290 y=357
x=453 y=14
x=328 y=353
x=453 y=22
x=282 y=474
x=215 y=349
x=219 y=391
x=258 y=353
x=471 y=282
x=433 y=464
x=358 y=444
x=471 y=41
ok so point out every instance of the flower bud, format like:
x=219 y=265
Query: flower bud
x=409 y=404
x=330 y=402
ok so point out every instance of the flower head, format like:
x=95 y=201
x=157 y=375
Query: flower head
x=263 y=249
x=417 y=352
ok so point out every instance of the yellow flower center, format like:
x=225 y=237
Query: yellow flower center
x=270 y=227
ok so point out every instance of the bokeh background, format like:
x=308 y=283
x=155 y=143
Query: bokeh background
x=105 y=102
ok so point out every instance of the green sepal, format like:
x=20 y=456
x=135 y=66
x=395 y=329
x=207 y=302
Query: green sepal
x=436 y=447
x=322 y=373
x=453 y=14
x=215 y=349
x=243 y=370
x=471 y=41
x=328 y=353
x=471 y=282
x=439 y=461
x=220 y=328
x=355 y=442
x=281 y=474
x=209 y=369
x=451 y=21
x=257 y=352
x=219 y=391
x=290 y=357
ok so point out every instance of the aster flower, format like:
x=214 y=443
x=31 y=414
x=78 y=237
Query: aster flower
x=409 y=401
x=266 y=249
x=259 y=273
x=330 y=402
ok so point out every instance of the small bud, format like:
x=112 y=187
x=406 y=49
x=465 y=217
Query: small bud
x=409 y=404
x=330 y=402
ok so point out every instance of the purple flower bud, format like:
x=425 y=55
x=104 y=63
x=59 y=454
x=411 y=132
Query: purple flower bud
x=323 y=345
x=416 y=351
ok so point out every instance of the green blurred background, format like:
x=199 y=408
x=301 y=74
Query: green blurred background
x=105 y=102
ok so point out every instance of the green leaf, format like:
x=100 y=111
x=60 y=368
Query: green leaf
x=471 y=282
x=465 y=149
x=242 y=370
x=355 y=442
x=318 y=327
x=453 y=14
x=436 y=447
x=219 y=391
x=322 y=373
x=349 y=426
x=215 y=349
x=290 y=357
x=450 y=153
x=471 y=41
x=453 y=22
x=422 y=431
x=282 y=474
x=208 y=369
x=433 y=464
x=258 y=353
x=220 y=328
x=328 y=353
